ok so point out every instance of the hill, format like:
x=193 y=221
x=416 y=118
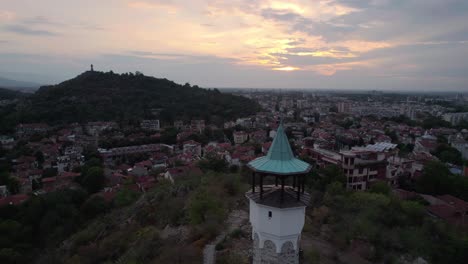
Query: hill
x=17 y=85
x=94 y=96
x=7 y=94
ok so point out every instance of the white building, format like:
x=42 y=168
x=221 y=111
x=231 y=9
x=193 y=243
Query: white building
x=152 y=125
x=277 y=212
x=455 y=118
x=240 y=137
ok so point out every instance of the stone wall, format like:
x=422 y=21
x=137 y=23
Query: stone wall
x=268 y=255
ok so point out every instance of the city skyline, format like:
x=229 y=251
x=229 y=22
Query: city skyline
x=333 y=44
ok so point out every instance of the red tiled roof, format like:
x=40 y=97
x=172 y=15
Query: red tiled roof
x=457 y=204
x=68 y=174
x=13 y=199
x=49 y=179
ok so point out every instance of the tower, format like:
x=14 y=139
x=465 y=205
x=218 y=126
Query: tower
x=277 y=211
x=92 y=68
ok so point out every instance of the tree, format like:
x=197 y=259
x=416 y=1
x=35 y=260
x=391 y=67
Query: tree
x=435 y=179
x=211 y=162
x=93 y=179
x=331 y=173
x=94 y=206
x=380 y=187
x=125 y=197
x=205 y=206
x=11 y=182
x=39 y=157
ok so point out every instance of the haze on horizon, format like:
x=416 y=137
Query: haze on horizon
x=417 y=45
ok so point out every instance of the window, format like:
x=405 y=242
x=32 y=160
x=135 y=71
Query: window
x=270 y=214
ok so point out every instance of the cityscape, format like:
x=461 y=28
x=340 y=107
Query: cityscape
x=263 y=132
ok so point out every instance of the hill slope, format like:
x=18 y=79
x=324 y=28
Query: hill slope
x=6 y=94
x=4 y=82
x=109 y=96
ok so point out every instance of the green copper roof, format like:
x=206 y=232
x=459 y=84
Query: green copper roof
x=280 y=158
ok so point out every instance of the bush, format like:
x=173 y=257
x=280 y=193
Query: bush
x=236 y=233
x=125 y=197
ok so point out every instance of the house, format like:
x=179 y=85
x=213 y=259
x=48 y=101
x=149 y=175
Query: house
x=142 y=168
x=192 y=147
x=266 y=146
x=361 y=165
x=179 y=125
x=3 y=191
x=426 y=143
x=240 y=137
x=460 y=144
x=151 y=125
x=25 y=185
x=26 y=130
x=258 y=136
x=62 y=181
x=7 y=142
x=449 y=208
x=197 y=126
x=95 y=128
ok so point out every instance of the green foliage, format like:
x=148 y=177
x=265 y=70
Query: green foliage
x=380 y=187
x=449 y=154
x=392 y=227
x=205 y=206
x=92 y=179
x=236 y=233
x=392 y=134
x=325 y=176
x=11 y=182
x=125 y=197
x=438 y=180
x=94 y=96
x=94 y=206
x=49 y=172
x=40 y=221
x=435 y=122
x=213 y=163
x=405 y=149
x=311 y=256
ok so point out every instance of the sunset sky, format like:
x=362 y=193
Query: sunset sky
x=325 y=44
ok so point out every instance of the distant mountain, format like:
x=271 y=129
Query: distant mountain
x=9 y=94
x=18 y=85
x=94 y=96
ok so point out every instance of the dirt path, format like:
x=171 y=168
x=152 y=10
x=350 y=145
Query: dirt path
x=234 y=221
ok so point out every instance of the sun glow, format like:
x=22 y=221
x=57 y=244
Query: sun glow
x=287 y=68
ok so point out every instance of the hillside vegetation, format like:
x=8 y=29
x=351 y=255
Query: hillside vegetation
x=94 y=96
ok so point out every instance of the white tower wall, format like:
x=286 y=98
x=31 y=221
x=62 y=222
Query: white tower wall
x=276 y=238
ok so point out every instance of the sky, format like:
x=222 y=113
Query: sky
x=419 y=45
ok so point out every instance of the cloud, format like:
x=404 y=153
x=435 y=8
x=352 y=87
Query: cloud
x=25 y=30
x=40 y=20
x=7 y=15
x=166 y=5
x=317 y=43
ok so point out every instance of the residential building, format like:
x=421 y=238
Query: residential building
x=151 y=125
x=240 y=137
